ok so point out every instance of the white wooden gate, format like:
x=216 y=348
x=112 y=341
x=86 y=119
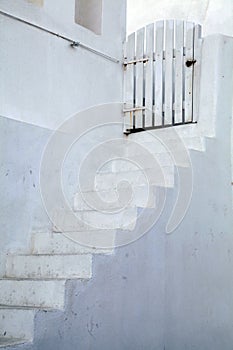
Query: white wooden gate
x=161 y=71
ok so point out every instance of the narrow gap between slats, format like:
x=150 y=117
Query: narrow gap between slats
x=163 y=73
x=134 y=82
x=183 y=73
x=144 y=81
x=173 y=73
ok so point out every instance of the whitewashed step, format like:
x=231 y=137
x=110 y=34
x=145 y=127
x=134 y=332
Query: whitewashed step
x=147 y=161
x=99 y=239
x=57 y=243
x=144 y=154
x=95 y=221
x=111 y=199
x=124 y=219
x=17 y=323
x=44 y=294
x=190 y=130
x=49 y=266
x=181 y=131
x=6 y=343
x=163 y=177
x=155 y=146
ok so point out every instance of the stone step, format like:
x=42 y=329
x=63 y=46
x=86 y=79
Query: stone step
x=49 y=266
x=157 y=146
x=137 y=160
x=145 y=154
x=147 y=161
x=6 y=343
x=183 y=132
x=34 y=293
x=58 y=243
x=161 y=176
x=96 y=239
x=17 y=323
x=141 y=196
x=95 y=221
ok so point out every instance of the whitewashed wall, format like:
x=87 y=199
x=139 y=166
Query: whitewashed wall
x=44 y=80
x=214 y=15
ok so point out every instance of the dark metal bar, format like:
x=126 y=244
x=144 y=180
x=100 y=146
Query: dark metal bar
x=135 y=130
x=194 y=61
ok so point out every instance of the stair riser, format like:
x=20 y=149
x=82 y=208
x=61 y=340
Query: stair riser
x=186 y=133
x=47 y=294
x=155 y=146
x=46 y=267
x=142 y=197
x=17 y=323
x=94 y=220
x=134 y=162
x=11 y=343
x=147 y=162
x=162 y=177
x=56 y=243
x=148 y=153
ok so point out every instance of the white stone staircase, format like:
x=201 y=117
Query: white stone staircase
x=37 y=279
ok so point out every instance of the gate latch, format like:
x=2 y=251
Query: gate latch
x=190 y=63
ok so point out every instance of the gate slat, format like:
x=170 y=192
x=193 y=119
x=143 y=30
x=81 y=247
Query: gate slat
x=188 y=71
x=129 y=81
x=139 y=77
x=179 y=61
x=162 y=75
x=168 y=101
x=158 y=76
x=149 y=75
x=196 y=73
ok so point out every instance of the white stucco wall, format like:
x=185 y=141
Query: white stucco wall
x=214 y=15
x=44 y=80
x=186 y=276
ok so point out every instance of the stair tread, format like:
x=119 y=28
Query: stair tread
x=48 y=254
x=23 y=279
x=5 y=342
x=25 y=308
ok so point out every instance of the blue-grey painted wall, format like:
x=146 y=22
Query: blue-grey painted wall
x=21 y=210
x=163 y=291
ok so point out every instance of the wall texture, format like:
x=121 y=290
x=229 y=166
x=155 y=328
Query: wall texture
x=44 y=79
